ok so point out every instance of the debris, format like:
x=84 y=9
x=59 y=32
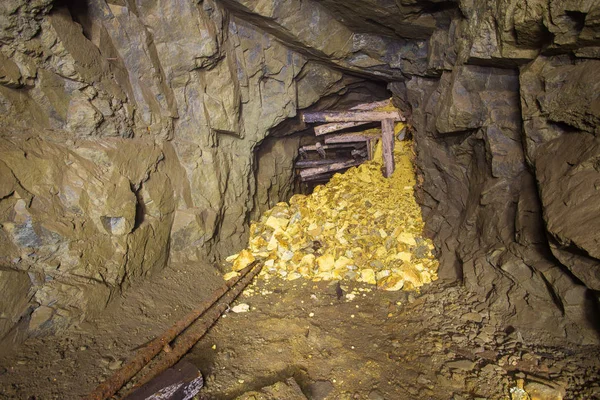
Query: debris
x=360 y=226
x=240 y=308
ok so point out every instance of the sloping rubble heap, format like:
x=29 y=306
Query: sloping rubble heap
x=359 y=226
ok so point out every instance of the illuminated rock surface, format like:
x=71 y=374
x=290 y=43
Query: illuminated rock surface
x=360 y=226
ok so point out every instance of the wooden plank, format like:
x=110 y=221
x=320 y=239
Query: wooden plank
x=373 y=105
x=331 y=146
x=328 y=168
x=387 y=129
x=351 y=116
x=316 y=163
x=351 y=137
x=336 y=126
x=181 y=382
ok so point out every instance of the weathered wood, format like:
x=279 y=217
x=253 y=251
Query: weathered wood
x=315 y=163
x=327 y=168
x=352 y=137
x=194 y=332
x=149 y=351
x=336 y=126
x=373 y=105
x=370 y=143
x=387 y=137
x=332 y=146
x=182 y=382
x=351 y=116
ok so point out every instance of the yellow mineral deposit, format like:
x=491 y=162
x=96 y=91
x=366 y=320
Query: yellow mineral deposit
x=359 y=226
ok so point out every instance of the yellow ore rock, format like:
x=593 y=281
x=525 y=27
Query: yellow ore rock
x=359 y=226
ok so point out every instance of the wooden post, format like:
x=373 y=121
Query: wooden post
x=387 y=137
x=370 y=149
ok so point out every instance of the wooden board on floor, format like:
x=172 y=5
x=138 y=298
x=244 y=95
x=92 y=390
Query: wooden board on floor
x=180 y=382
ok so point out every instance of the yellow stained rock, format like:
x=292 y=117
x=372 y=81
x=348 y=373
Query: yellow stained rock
x=243 y=260
x=367 y=275
x=359 y=226
x=326 y=262
x=230 y=275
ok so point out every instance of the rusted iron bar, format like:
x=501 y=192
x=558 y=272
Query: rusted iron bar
x=351 y=137
x=149 y=351
x=336 y=126
x=195 y=332
x=316 y=163
x=351 y=116
x=305 y=173
x=387 y=138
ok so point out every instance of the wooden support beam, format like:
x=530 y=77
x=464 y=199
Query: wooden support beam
x=352 y=137
x=305 y=173
x=332 y=146
x=387 y=130
x=351 y=116
x=373 y=105
x=336 y=126
x=316 y=163
x=370 y=149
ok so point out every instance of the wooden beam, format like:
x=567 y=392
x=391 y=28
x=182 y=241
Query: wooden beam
x=387 y=130
x=373 y=105
x=332 y=146
x=352 y=137
x=305 y=173
x=351 y=116
x=316 y=163
x=336 y=126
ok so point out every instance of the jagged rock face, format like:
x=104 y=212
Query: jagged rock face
x=133 y=133
x=127 y=138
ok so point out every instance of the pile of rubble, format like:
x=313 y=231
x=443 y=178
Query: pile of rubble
x=359 y=226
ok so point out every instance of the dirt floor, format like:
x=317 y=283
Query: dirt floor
x=441 y=343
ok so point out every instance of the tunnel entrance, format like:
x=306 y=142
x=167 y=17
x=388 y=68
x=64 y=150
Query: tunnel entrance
x=345 y=139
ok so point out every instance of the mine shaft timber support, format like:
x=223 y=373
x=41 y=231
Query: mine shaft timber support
x=223 y=295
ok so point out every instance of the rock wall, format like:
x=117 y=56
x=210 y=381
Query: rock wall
x=128 y=138
x=507 y=142
x=134 y=133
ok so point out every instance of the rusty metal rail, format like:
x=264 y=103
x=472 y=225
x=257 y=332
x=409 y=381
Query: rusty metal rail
x=149 y=351
x=194 y=333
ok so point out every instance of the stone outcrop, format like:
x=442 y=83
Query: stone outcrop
x=137 y=132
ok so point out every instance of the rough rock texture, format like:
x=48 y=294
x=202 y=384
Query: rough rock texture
x=508 y=156
x=128 y=137
x=134 y=132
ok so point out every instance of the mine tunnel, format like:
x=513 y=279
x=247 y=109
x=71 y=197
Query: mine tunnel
x=299 y=199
